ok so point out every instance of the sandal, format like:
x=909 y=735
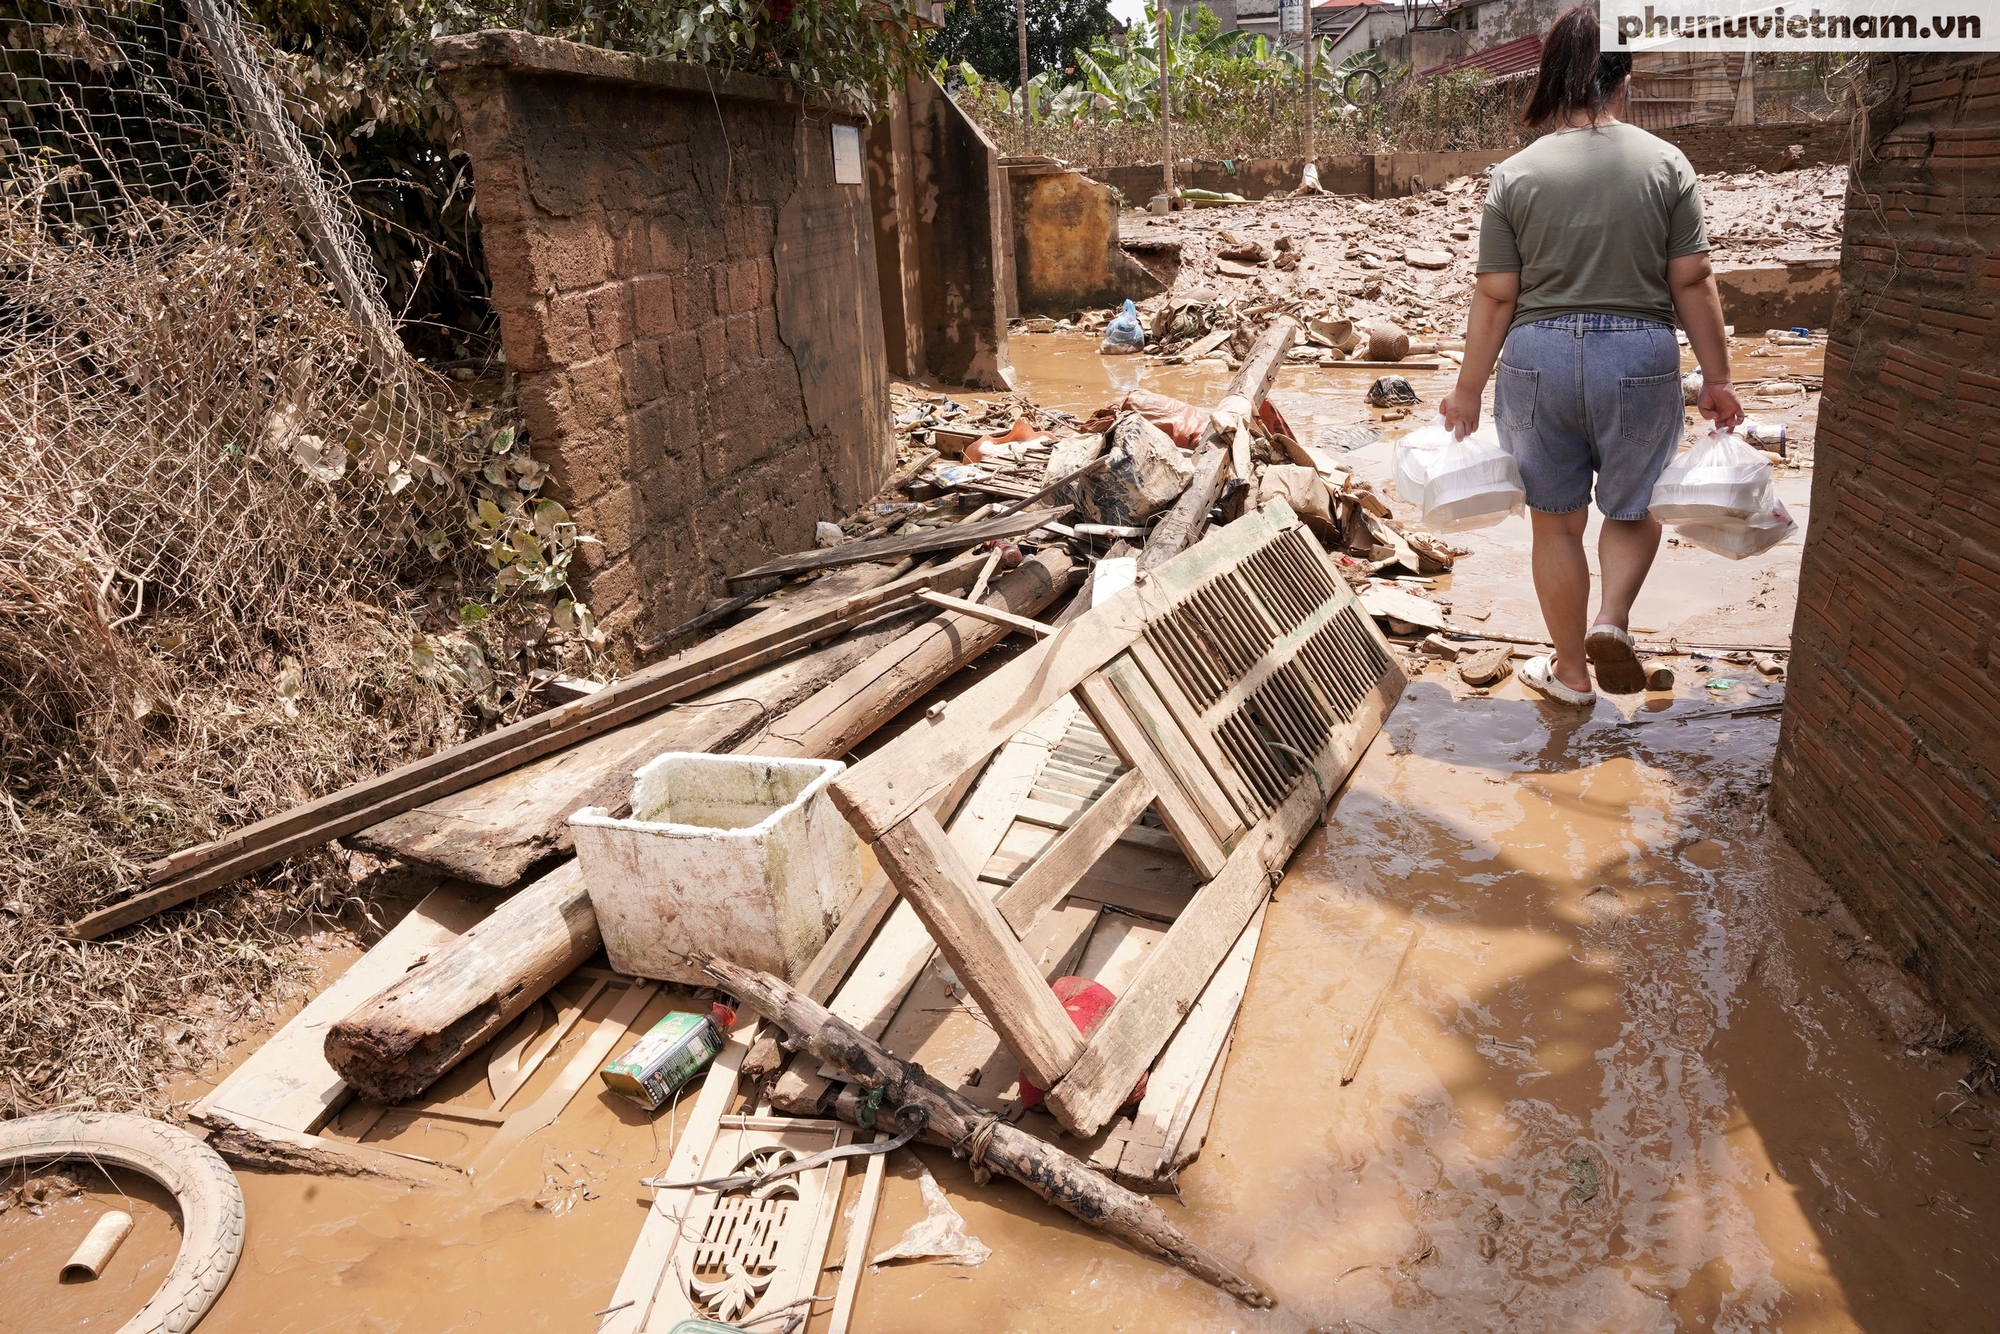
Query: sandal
x=1614 y=660
x=1540 y=672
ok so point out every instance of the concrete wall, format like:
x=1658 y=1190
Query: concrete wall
x=689 y=302
x=940 y=207
x=1065 y=253
x=1740 y=148
x=1374 y=175
x=1888 y=767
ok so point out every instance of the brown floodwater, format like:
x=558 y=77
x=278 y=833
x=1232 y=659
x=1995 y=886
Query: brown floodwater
x=1641 y=1070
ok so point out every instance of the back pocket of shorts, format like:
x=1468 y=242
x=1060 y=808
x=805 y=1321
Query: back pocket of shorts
x=1514 y=397
x=1649 y=406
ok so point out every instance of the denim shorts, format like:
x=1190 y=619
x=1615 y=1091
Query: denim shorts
x=1584 y=395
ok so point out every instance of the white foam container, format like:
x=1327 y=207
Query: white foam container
x=741 y=856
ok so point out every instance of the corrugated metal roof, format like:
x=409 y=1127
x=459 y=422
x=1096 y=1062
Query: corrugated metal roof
x=1515 y=57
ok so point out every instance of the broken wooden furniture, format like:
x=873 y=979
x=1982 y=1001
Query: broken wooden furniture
x=1238 y=683
x=988 y=1141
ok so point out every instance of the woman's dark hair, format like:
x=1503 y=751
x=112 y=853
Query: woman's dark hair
x=1573 y=76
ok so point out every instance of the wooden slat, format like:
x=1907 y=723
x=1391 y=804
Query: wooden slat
x=980 y=947
x=952 y=537
x=1202 y=738
x=1074 y=852
x=1170 y=736
x=1184 y=819
x=1032 y=628
x=591 y=1053
x=197 y=870
x=854 y=1257
x=1049 y=814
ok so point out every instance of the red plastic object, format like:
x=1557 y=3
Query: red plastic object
x=1086 y=1002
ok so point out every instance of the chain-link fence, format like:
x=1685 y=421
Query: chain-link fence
x=205 y=406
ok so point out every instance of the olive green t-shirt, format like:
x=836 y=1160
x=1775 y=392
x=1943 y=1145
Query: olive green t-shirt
x=1589 y=218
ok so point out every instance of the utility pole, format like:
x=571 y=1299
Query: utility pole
x=1312 y=52
x=1166 y=107
x=1021 y=35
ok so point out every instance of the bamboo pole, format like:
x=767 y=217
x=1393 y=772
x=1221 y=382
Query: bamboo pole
x=1021 y=37
x=1166 y=104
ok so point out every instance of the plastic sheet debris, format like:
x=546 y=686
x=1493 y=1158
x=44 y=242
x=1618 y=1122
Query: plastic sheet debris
x=939 y=1235
x=1460 y=484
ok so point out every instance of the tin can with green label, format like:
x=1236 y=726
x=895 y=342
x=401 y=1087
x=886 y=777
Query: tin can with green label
x=672 y=1052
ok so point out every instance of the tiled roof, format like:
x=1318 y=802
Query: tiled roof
x=1516 y=57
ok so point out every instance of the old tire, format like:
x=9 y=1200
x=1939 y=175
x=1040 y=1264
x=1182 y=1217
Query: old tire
x=211 y=1201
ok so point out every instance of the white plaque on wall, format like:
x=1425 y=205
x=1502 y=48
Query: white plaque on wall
x=846 y=155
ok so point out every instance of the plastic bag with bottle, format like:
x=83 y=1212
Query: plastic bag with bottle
x=1124 y=333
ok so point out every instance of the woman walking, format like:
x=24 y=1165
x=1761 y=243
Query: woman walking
x=1590 y=250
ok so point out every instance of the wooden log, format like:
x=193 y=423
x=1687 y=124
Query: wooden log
x=848 y=711
x=401 y=1039
x=1251 y=382
x=196 y=870
x=955 y=1122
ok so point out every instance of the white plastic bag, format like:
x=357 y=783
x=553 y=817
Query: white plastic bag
x=1738 y=538
x=1124 y=333
x=1721 y=476
x=1460 y=484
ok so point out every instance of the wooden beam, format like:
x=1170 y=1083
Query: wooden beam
x=1074 y=852
x=980 y=947
x=197 y=870
x=1251 y=383
x=952 y=537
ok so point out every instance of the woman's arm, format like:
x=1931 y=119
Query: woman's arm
x=1493 y=298
x=1699 y=305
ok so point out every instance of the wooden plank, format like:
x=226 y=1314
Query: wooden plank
x=245 y=1139
x=981 y=948
x=854 y=1256
x=1074 y=852
x=590 y=1055
x=1033 y=629
x=1191 y=764
x=197 y=870
x=1183 y=818
x=1182 y=1073
x=955 y=537
x=506 y=1087
x=287 y=1082
x=632 y=1301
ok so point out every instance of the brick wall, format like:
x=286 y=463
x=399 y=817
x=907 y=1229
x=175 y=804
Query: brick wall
x=1739 y=148
x=1888 y=769
x=689 y=302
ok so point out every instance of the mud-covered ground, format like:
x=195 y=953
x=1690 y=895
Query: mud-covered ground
x=1355 y=254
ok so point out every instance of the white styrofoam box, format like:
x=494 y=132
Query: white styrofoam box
x=741 y=856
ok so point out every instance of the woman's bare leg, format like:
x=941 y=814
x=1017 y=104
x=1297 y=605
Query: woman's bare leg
x=1562 y=583
x=1625 y=551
